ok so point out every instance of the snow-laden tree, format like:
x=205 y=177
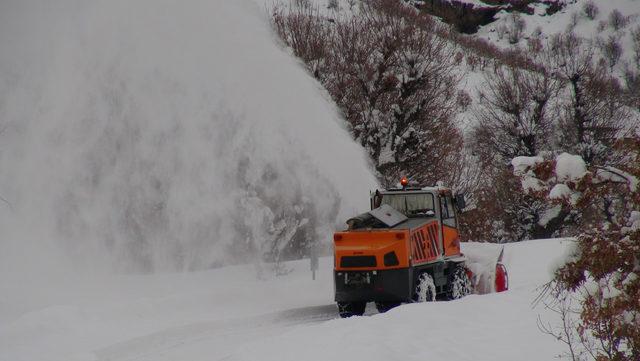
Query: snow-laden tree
x=392 y=73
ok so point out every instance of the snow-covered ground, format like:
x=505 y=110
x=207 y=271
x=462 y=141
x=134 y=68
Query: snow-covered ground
x=231 y=314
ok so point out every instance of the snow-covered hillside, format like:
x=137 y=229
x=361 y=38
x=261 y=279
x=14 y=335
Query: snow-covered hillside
x=229 y=314
x=572 y=16
x=605 y=22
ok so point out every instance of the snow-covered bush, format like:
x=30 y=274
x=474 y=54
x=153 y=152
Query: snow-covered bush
x=602 y=277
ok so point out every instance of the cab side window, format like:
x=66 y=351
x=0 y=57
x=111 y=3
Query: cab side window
x=448 y=214
x=443 y=208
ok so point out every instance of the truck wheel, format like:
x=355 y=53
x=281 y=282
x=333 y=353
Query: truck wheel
x=386 y=306
x=425 y=289
x=348 y=309
x=460 y=284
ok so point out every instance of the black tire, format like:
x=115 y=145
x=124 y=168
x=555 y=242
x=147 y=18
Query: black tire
x=386 y=306
x=349 y=309
x=460 y=284
x=425 y=290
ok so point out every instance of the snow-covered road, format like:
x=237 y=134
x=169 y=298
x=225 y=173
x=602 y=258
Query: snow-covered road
x=213 y=340
x=231 y=314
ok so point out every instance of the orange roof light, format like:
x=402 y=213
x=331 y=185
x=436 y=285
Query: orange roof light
x=404 y=181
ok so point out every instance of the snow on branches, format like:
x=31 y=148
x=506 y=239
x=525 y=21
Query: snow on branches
x=602 y=275
x=392 y=72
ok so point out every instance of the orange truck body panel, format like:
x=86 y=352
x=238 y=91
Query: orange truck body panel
x=374 y=243
x=412 y=247
x=425 y=242
x=451 y=241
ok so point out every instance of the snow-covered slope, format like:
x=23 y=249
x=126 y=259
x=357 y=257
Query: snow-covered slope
x=572 y=16
x=230 y=314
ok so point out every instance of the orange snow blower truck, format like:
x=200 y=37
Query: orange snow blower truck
x=406 y=249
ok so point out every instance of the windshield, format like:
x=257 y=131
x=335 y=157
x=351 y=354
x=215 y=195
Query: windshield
x=411 y=204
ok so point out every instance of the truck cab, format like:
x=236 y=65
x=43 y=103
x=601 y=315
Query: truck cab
x=435 y=203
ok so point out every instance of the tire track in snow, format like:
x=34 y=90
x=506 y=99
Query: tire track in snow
x=222 y=335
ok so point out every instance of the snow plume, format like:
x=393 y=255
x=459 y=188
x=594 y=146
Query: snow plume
x=162 y=135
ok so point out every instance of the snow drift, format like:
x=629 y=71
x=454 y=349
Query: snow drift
x=154 y=135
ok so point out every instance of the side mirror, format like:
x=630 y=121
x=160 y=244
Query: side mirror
x=377 y=200
x=460 y=202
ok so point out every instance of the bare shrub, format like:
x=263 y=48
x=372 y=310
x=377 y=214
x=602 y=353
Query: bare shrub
x=573 y=21
x=464 y=100
x=502 y=213
x=592 y=115
x=635 y=38
x=514 y=117
x=631 y=78
x=302 y=3
x=602 y=26
x=535 y=46
x=617 y=20
x=590 y=10
x=611 y=50
x=501 y=30
x=516 y=27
